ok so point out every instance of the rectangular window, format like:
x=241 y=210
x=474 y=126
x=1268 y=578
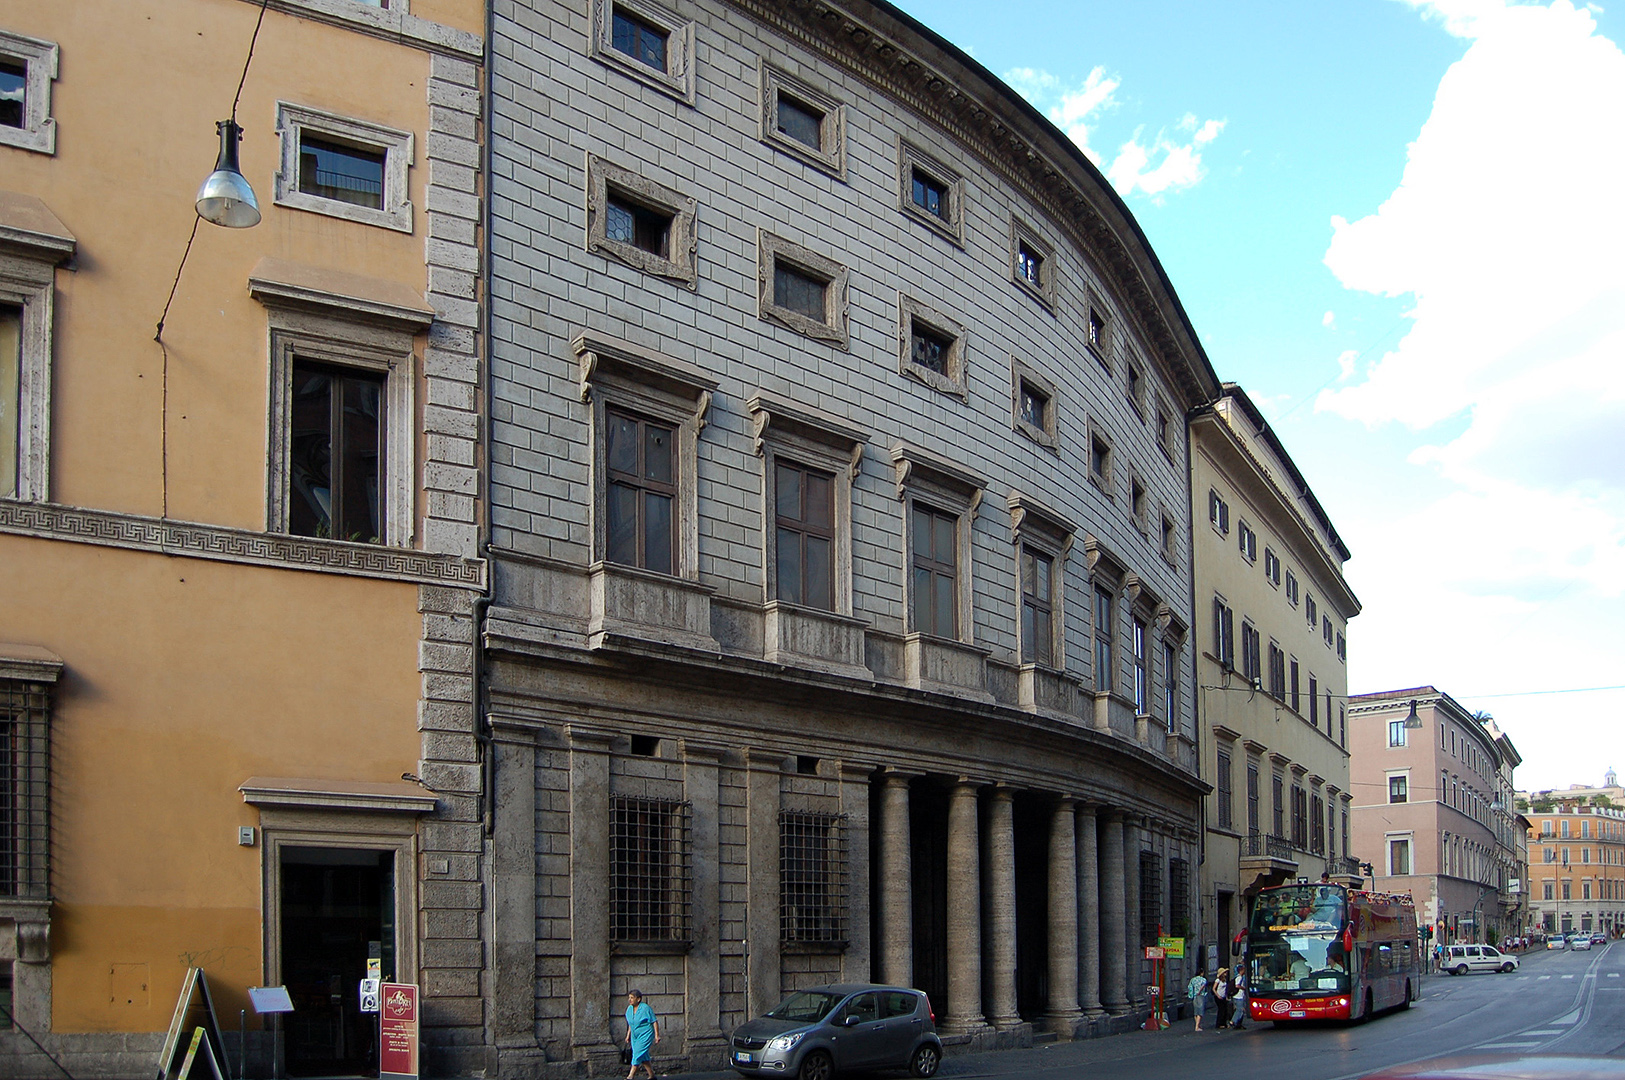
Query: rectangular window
x=1296 y=704
x=805 y=520
x=1342 y=648
x=1103 y=639
x=1272 y=568
x=13 y=90
x=1546 y=891
x=1326 y=630
x=336 y=454
x=1398 y=789
x=639 y=39
x=1100 y=461
x=1309 y=609
x=1277 y=672
x=1168 y=548
x=1345 y=831
x=1224 y=642
x=649 y=884
x=1251 y=661
x=1291 y=589
x=1170 y=685
x=1396 y=733
x=1095 y=331
x=802 y=289
x=930 y=195
x=936 y=572
x=801 y=122
x=1034 y=406
x=1141 y=690
x=930 y=349
x=1252 y=798
x=625 y=222
x=1222 y=783
x=1317 y=825
x=1030 y=265
x=1137 y=502
x=1179 y=898
x=1218 y=512
x=28 y=66
x=647 y=226
x=1248 y=541
x=930 y=192
x=25 y=776
x=642 y=497
x=1314 y=702
x=332 y=170
x=1300 y=818
x=1399 y=858
x=1164 y=429
x=11 y=372
x=812 y=878
x=800 y=292
x=1278 y=805
x=1151 y=917
x=1037 y=614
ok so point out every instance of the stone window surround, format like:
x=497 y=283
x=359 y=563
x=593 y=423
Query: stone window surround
x=678 y=79
x=33 y=243
x=292 y=121
x=1036 y=525
x=1105 y=484
x=830 y=157
x=1095 y=308
x=1168 y=540
x=680 y=263
x=40 y=61
x=811 y=438
x=1165 y=433
x=1388 y=776
x=1136 y=397
x=622 y=373
x=1388 y=840
x=770 y=249
x=1142 y=520
x=28 y=947
x=1108 y=573
x=336 y=329
x=945 y=486
x=1023 y=234
x=957 y=380
x=1048 y=435
x=911 y=158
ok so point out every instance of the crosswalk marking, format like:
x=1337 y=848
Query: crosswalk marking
x=1545 y=976
x=1613 y=974
x=1506 y=1045
x=1568 y=976
x=1552 y=1031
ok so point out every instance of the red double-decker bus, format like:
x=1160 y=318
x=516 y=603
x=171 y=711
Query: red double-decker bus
x=1328 y=952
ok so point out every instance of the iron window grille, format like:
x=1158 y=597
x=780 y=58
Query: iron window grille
x=812 y=878
x=650 y=875
x=25 y=795
x=1179 y=897
x=1150 y=897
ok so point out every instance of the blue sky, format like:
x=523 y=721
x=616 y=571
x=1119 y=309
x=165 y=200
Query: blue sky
x=1398 y=224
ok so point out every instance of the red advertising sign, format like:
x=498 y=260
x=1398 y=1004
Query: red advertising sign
x=398 y=1030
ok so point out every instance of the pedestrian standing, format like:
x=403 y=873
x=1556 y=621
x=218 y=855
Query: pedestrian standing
x=1238 y=999
x=1196 y=991
x=642 y=1032
x=1221 y=995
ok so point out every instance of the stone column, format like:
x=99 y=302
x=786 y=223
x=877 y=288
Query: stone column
x=896 y=884
x=1088 y=860
x=704 y=1042
x=764 y=778
x=1062 y=1013
x=1133 y=982
x=964 y=913
x=857 y=963
x=589 y=890
x=1113 y=947
x=1001 y=930
x=513 y=891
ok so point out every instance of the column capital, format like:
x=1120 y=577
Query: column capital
x=1063 y=803
x=1000 y=792
x=895 y=777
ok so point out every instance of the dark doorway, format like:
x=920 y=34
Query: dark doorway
x=1226 y=933
x=1032 y=821
x=337 y=908
x=928 y=852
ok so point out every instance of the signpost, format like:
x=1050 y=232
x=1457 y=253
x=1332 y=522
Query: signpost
x=1158 y=1018
x=398 y=1031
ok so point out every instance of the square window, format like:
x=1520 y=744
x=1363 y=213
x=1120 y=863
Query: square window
x=1032 y=264
x=932 y=347
x=645 y=225
x=1034 y=405
x=802 y=121
x=647 y=43
x=343 y=167
x=801 y=289
x=28 y=66
x=930 y=192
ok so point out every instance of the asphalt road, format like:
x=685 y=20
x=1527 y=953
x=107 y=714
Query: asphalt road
x=1558 y=1002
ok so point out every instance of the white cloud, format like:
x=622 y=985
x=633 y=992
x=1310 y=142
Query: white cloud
x=1345 y=363
x=1165 y=162
x=1504 y=237
x=1329 y=320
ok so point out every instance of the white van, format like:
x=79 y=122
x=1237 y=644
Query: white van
x=1460 y=959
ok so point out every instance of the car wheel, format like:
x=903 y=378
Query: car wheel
x=1461 y=969
x=817 y=1066
x=1507 y=969
x=925 y=1061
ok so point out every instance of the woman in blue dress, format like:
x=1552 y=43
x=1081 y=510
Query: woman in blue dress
x=642 y=1032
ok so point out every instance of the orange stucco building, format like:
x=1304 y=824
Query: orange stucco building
x=240 y=560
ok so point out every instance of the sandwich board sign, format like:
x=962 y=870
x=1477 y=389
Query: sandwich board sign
x=398 y=1031
x=195 y=1007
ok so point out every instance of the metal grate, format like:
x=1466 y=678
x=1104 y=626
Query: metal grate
x=1179 y=897
x=649 y=884
x=812 y=877
x=1150 y=897
x=25 y=776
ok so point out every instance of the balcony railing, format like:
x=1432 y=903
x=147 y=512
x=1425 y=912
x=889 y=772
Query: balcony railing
x=1275 y=847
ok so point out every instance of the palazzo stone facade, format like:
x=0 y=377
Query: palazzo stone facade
x=841 y=606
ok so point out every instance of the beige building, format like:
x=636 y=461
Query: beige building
x=1272 y=671
x=1577 y=868
x=240 y=560
x=1431 y=812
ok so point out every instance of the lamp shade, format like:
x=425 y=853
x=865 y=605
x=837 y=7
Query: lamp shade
x=226 y=197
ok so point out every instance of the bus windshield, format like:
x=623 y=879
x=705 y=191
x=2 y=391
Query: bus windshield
x=1300 y=909
x=1298 y=962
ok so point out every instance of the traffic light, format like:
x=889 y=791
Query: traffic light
x=1427 y=933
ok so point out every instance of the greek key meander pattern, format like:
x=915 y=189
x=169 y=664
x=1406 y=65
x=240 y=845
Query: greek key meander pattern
x=50 y=522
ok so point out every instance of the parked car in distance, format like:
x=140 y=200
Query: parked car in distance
x=1599 y=938
x=816 y=1032
x=1461 y=959
x=1580 y=941
x=1556 y=941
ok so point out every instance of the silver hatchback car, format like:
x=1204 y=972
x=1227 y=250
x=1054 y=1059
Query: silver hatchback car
x=814 y=1032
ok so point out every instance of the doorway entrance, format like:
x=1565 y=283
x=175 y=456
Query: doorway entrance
x=337 y=909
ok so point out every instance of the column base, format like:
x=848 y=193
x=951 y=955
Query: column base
x=1064 y=1024
x=1116 y=1008
x=972 y=1027
x=1005 y=1023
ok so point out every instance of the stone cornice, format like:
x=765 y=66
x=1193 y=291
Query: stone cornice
x=881 y=45
x=50 y=521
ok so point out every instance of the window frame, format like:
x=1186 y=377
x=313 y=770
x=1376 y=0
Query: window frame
x=29 y=258
x=834 y=903
x=912 y=158
x=1097 y=336
x=41 y=61
x=1247 y=541
x=1047 y=435
x=398 y=147
x=1102 y=478
x=945 y=487
x=830 y=154
x=1224 y=809
x=1402 y=789
x=680 y=263
x=644 y=485
x=1044 y=291
x=770 y=250
x=680 y=887
x=1272 y=567
x=955 y=380
x=1036 y=526
x=936 y=568
x=1389 y=842
x=1291 y=589
x=1218 y=512
x=677 y=80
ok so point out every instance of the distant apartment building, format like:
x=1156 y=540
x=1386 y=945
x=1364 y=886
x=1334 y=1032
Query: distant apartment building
x=1577 y=865
x=1610 y=793
x=1433 y=809
x=1272 y=664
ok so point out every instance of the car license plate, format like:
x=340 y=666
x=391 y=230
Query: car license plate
x=1296 y=1014
x=744 y=1059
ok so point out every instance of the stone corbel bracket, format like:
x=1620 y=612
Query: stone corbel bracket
x=794 y=423
x=920 y=468
x=1031 y=519
x=602 y=358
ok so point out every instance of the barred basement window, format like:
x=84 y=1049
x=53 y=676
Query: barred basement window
x=25 y=775
x=1179 y=898
x=649 y=874
x=1150 y=897
x=812 y=878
